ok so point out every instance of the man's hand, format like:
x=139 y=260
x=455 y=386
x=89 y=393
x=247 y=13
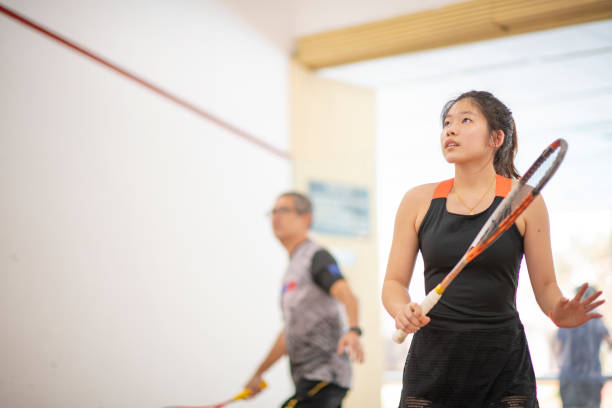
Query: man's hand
x=351 y=343
x=254 y=385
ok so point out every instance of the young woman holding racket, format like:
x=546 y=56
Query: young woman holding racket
x=471 y=350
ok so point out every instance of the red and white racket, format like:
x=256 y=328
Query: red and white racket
x=243 y=395
x=519 y=198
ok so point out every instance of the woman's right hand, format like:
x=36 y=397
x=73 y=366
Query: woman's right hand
x=410 y=318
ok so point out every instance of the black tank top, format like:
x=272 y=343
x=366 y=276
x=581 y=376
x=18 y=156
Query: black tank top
x=484 y=293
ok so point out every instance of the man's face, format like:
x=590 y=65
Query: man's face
x=286 y=221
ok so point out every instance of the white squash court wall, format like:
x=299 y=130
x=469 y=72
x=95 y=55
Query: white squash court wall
x=137 y=267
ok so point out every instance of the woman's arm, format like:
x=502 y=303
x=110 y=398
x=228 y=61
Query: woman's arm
x=408 y=315
x=538 y=255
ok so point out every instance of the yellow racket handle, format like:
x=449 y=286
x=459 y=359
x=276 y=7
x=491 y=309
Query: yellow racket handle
x=246 y=392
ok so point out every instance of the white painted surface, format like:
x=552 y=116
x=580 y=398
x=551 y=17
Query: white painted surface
x=134 y=247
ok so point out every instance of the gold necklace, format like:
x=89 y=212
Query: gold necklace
x=481 y=198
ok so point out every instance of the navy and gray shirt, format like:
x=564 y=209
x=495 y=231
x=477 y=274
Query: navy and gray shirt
x=313 y=318
x=580 y=351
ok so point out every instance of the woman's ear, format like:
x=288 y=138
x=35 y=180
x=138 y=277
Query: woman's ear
x=497 y=138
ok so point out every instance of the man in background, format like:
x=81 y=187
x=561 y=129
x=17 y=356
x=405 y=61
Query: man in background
x=580 y=378
x=314 y=336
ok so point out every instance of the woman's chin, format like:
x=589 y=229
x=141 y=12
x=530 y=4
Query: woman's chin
x=450 y=157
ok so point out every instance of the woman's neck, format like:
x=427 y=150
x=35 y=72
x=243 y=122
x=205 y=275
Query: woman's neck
x=477 y=177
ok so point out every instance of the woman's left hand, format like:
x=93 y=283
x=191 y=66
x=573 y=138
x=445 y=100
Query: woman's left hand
x=572 y=313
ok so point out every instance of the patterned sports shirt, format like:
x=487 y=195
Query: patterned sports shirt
x=313 y=318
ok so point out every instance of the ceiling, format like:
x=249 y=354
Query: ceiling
x=283 y=21
x=582 y=54
x=565 y=75
x=557 y=82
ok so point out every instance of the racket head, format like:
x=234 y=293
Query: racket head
x=219 y=405
x=245 y=393
x=519 y=198
x=545 y=166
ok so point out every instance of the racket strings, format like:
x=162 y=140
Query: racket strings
x=501 y=228
x=519 y=198
x=543 y=168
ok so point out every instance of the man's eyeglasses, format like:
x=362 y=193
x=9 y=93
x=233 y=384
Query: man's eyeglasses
x=282 y=211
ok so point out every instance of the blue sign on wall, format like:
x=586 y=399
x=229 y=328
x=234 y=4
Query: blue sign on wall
x=340 y=209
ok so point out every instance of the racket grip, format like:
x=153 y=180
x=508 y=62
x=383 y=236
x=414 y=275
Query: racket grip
x=430 y=301
x=246 y=392
x=426 y=305
x=399 y=336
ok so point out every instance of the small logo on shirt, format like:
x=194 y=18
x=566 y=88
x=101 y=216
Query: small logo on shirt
x=289 y=286
x=334 y=270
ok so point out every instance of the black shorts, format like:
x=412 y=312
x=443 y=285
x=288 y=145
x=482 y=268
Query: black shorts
x=488 y=368
x=316 y=394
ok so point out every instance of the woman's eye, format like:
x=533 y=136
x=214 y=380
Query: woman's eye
x=466 y=120
x=446 y=123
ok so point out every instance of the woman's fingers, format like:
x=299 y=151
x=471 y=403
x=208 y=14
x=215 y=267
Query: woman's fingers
x=592 y=298
x=580 y=292
x=411 y=318
x=594 y=305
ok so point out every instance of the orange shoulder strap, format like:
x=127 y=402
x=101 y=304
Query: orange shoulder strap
x=503 y=185
x=443 y=188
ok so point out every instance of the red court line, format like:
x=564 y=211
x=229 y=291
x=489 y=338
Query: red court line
x=200 y=112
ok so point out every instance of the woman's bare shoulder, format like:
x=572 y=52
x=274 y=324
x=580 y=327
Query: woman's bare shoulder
x=419 y=196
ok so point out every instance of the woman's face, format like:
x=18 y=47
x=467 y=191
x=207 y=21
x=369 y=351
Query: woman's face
x=466 y=134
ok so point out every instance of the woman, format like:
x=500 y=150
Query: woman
x=471 y=350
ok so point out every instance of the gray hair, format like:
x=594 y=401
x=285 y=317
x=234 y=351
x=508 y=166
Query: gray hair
x=302 y=203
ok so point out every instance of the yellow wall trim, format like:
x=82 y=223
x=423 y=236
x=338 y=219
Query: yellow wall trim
x=333 y=140
x=461 y=23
